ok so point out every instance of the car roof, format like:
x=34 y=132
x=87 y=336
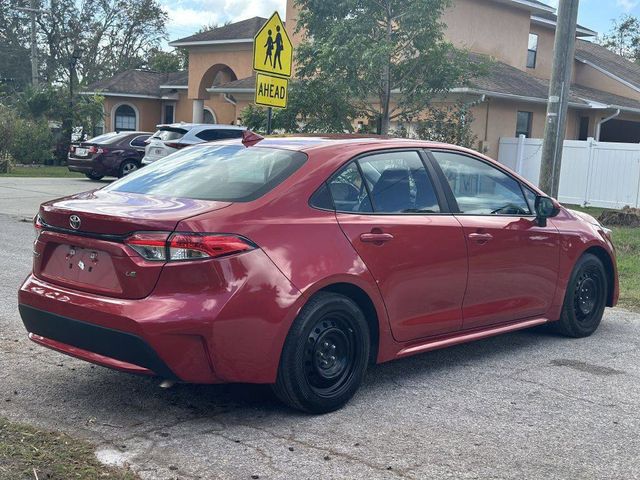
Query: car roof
x=305 y=143
x=190 y=126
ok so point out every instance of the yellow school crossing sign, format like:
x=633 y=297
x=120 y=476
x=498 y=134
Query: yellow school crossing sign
x=272 y=60
x=272 y=48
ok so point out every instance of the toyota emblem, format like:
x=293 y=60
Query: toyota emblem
x=74 y=222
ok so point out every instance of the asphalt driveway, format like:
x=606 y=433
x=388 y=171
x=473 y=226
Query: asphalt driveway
x=524 y=405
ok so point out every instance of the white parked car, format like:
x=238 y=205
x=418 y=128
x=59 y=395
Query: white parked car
x=173 y=137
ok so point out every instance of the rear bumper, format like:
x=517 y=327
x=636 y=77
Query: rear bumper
x=189 y=328
x=101 y=345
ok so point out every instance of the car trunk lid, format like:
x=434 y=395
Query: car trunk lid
x=82 y=244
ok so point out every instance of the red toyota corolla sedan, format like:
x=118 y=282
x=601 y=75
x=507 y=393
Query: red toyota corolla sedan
x=297 y=262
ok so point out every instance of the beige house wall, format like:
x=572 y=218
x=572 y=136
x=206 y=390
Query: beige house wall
x=488 y=27
x=205 y=61
x=148 y=111
x=544 y=61
x=590 y=77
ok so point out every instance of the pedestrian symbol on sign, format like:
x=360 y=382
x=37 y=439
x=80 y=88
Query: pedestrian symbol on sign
x=272 y=48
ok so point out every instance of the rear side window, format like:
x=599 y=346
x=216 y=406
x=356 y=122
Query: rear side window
x=218 y=134
x=139 y=141
x=399 y=183
x=349 y=192
x=166 y=134
x=226 y=173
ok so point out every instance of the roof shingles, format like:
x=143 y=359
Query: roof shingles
x=139 y=82
x=245 y=29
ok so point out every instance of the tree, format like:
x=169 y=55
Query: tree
x=161 y=61
x=624 y=38
x=15 y=67
x=108 y=35
x=386 y=59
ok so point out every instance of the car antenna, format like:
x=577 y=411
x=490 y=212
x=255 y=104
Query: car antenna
x=250 y=138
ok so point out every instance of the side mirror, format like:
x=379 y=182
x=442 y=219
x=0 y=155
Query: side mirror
x=546 y=207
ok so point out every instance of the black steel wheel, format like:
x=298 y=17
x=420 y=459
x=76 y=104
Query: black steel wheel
x=325 y=355
x=585 y=298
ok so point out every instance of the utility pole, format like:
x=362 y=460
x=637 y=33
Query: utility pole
x=34 y=47
x=559 y=89
x=33 y=10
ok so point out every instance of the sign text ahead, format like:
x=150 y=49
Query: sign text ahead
x=271 y=91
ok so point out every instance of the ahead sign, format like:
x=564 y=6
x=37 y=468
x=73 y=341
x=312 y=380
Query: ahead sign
x=271 y=91
x=272 y=48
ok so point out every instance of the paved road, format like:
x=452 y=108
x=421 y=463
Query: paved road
x=525 y=405
x=21 y=197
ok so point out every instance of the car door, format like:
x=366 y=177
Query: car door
x=513 y=262
x=388 y=208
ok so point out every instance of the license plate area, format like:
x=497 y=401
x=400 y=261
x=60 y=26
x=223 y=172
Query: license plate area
x=81 y=152
x=82 y=267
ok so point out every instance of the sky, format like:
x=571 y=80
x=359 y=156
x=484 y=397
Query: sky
x=187 y=16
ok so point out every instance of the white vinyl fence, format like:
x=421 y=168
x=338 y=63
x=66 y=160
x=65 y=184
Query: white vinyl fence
x=593 y=173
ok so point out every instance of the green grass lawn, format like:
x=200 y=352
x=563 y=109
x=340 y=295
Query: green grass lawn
x=627 y=242
x=44 y=171
x=26 y=452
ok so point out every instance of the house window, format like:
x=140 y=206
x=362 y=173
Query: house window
x=169 y=113
x=532 y=53
x=523 y=124
x=125 y=118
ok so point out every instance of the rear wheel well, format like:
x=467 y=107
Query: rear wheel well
x=605 y=258
x=362 y=299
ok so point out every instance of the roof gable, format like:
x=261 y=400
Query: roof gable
x=609 y=62
x=233 y=32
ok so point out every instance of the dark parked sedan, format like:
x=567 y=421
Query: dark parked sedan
x=112 y=154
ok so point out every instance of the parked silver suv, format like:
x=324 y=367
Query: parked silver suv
x=173 y=137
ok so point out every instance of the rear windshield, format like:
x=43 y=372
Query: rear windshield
x=108 y=137
x=226 y=173
x=166 y=134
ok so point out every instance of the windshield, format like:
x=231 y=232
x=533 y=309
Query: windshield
x=227 y=173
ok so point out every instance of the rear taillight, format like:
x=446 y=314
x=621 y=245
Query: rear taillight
x=150 y=246
x=72 y=148
x=176 y=145
x=161 y=246
x=37 y=225
x=93 y=150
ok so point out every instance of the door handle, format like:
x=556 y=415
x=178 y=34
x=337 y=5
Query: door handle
x=480 y=238
x=377 y=238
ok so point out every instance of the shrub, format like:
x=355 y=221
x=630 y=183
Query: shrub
x=25 y=141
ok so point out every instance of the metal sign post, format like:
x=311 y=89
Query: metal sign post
x=272 y=62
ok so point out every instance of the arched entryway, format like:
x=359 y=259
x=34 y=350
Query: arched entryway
x=215 y=75
x=209 y=116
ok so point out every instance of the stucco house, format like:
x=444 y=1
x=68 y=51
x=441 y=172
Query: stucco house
x=518 y=35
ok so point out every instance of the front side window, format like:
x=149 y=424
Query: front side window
x=225 y=173
x=125 y=118
x=523 y=124
x=481 y=189
x=532 y=52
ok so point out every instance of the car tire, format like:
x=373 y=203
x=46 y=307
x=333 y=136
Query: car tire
x=585 y=298
x=127 y=167
x=93 y=176
x=325 y=355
